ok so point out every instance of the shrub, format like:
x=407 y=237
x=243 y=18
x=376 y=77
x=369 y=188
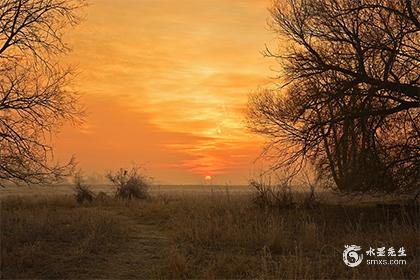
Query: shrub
x=272 y=195
x=130 y=184
x=82 y=191
x=102 y=197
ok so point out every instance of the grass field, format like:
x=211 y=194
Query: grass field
x=216 y=234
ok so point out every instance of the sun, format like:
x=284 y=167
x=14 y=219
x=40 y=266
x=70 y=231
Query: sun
x=207 y=178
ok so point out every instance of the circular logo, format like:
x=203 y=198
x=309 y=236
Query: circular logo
x=351 y=255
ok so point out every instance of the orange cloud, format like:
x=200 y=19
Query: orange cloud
x=165 y=83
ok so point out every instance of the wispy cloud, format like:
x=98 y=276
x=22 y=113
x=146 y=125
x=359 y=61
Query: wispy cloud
x=185 y=68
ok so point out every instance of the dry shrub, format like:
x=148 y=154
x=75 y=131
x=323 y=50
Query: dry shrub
x=130 y=184
x=272 y=195
x=82 y=191
x=310 y=200
x=102 y=197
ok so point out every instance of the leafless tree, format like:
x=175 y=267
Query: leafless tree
x=350 y=103
x=34 y=94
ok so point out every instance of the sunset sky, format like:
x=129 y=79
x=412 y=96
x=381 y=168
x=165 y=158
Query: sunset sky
x=165 y=84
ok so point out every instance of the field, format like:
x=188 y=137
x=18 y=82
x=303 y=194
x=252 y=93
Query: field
x=213 y=233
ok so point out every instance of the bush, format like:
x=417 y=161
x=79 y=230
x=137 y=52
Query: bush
x=130 y=184
x=82 y=191
x=103 y=197
x=272 y=195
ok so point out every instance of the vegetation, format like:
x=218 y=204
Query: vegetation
x=83 y=193
x=34 y=94
x=268 y=195
x=214 y=235
x=53 y=238
x=350 y=100
x=130 y=184
x=349 y=108
x=221 y=237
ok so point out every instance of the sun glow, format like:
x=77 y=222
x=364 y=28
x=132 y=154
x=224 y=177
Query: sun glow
x=207 y=178
x=178 y=104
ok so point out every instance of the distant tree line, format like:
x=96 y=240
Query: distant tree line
x=350 y=98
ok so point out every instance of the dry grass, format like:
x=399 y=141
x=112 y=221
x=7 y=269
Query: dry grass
x=217 y=235
x=83 y=193
x=223 y=237
x=52 y=237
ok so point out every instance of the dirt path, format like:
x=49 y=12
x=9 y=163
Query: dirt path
x=138 y=255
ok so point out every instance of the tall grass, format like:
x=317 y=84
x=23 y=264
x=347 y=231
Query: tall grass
x=218 y=235
x=52 y=237
x=221 y=237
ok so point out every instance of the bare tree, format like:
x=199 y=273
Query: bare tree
x=350 y=103
x=34 y=94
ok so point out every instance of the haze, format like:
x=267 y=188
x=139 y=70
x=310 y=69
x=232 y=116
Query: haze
x=165 y=85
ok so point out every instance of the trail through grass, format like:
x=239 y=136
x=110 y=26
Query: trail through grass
x=54 y=238
x=212 y=236
x=139 y=254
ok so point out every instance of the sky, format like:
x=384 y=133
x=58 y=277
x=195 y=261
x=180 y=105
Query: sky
x=165 y=84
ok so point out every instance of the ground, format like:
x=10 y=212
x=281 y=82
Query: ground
x=138 y=252
x=204 y=235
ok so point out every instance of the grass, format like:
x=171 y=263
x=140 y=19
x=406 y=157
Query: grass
x=225 y=237
x=217 y=235
x=53 y=238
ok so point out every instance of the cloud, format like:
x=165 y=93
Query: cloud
x=165 y=83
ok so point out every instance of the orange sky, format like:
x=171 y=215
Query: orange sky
x=165 y=83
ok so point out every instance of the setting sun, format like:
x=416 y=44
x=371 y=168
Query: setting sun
x=210 y=139
x=186 y=89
